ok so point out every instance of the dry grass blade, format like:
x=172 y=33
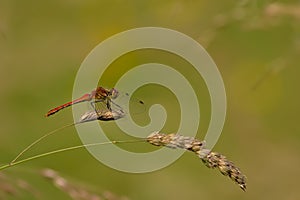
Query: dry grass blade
x=6 y=188
x=209 y=158
x=76 y=191
x=102 y=115
x=16 y=187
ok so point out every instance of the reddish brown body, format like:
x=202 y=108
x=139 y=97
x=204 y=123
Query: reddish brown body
x=100 y=94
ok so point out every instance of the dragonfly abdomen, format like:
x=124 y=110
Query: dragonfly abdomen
x=86 y=97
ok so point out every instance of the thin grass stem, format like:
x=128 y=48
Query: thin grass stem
x=67 y=149
x=37 y=141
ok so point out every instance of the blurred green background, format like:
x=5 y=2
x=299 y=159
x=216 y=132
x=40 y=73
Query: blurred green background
x=255 y=45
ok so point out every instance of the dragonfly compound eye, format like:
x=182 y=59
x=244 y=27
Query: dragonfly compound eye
x=114 y=93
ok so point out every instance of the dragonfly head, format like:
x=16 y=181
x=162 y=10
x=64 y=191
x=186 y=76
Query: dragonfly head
x=113 y=93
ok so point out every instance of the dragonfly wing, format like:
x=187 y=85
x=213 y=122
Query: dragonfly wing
x=129 y=104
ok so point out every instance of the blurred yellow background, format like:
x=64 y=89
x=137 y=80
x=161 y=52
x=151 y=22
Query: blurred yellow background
x=255 y=45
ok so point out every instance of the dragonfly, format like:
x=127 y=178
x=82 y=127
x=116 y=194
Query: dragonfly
x=99 y=95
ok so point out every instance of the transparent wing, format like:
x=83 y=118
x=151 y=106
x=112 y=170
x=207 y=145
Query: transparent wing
x=121 y=103
x=129 y=104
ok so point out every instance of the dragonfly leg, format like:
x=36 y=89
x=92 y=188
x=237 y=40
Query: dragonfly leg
x=93 y=105
x=108 y=104
x=119 y=107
